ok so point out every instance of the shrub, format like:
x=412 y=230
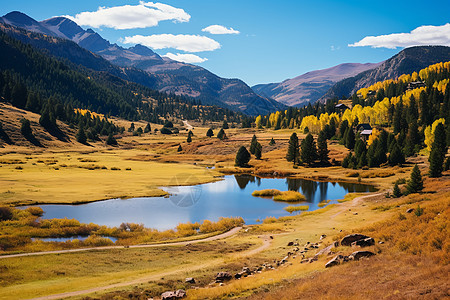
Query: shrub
x=5 y=213
x=291 y=208
x=35 y=211
x=266 y=193
x=289 y=196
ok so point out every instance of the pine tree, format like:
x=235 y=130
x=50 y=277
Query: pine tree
x=179 y=148
x=147 y=128
x=396 y=191
x=131 y=129
x=309 y=150
x=438 y=151
x=111 y=140
x=396 y=157
x=242 y=157
x=253 y=144
x=415 y=183
x=293 y=153
x=25 y=128
x=225 y=124
x=209 y=133
x=189 y=138
x=258 y=150
x=81 y=136
x=412 y=139
x=322 y=148
x=349 y=138
x=342 y=128
x=221 y=135
x=272 y=142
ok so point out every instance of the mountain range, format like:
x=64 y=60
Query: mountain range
x=407 y=61
x=311 y=86
x=163 y=73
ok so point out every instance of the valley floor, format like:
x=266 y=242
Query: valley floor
x=412 y=249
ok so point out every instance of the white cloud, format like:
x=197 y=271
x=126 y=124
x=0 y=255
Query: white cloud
x=219 y=29
x=143 y=15
x=186 y=58
x=183 y=42
x=421 y=36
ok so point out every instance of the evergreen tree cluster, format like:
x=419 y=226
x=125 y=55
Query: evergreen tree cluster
x=32 y=80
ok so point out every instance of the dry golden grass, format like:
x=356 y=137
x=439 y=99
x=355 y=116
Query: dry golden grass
x=266 y=193
x=291 y=208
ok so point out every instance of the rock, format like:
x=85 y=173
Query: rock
x=349 y=239
x=380 y=242
x=409 y=210
x=327 y=249
x=323 y=236
x=360 y=254
x=271 y=237
x=296 y=249
x=295 y=244
x=223 y=276
x=290 y=244
x=238 y=275
x=304 y=261
x=364 y=242
x=335 y=261
x=172 y=295
x=190 y=280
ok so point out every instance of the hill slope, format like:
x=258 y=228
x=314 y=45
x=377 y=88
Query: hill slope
x=406 y=61
x=311 y=86
x=166 y=75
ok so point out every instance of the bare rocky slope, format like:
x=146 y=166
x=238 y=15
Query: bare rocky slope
x=311 y=86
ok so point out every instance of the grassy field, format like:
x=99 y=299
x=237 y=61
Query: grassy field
x=415 y=245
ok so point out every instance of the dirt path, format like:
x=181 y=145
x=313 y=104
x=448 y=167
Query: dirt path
x=187 y=125
x=356 y=202
x=208 y=239
x=266 y=243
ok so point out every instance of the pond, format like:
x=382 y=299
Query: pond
x=230 y=197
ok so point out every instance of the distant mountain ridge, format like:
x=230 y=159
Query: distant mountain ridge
x=311 y=86
x=166 y=75
x=407 y=61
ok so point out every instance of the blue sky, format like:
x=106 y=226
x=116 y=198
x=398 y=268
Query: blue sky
x=277 y=39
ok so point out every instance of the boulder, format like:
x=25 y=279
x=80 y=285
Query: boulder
x=223 y=276
x=364 y=242
x=190 y=280
x=409 y=210
x=335 y=261
x=172 y=295
x=349 y=239
x=290 y=244
x=360 y=254
x=323 y=236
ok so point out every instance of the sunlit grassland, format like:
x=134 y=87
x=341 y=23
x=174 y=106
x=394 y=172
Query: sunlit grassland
x=48 y=274
x=74 y=177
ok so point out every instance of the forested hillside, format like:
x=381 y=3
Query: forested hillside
x=38 y=82
x=402 y=117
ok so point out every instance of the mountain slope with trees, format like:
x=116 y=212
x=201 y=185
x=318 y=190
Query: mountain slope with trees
x=407 y=61
x=160 y=73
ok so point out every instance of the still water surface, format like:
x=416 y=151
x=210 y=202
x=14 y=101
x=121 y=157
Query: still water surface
x=230 y=197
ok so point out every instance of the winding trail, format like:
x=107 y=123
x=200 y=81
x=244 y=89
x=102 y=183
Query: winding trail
x=183 y=243
x=266 y=244
x=356 y=202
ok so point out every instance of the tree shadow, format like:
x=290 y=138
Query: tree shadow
x=32 y=139
x=4 y=136
x=57 y=133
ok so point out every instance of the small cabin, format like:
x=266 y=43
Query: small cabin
x=363 y=126
x=365 y=134
x=415 y=85
x=341 y=107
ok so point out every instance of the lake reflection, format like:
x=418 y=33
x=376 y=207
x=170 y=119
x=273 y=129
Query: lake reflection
x=230 y=197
